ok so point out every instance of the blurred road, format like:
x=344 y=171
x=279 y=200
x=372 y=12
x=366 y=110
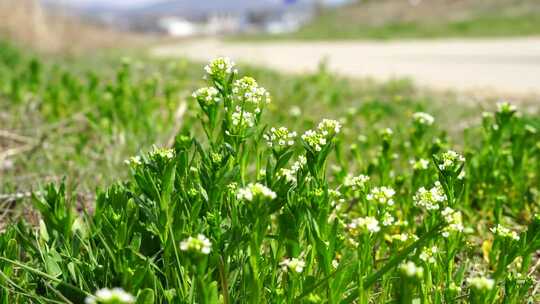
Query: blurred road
x=510 y=66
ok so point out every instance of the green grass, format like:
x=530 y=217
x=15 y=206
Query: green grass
x=489 y=26
x=431 y=19
x=229 y=206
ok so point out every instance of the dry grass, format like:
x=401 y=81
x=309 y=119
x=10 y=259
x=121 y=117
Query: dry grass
x=28 y=23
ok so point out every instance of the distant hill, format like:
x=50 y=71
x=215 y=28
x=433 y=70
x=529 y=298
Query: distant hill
x=384 y=19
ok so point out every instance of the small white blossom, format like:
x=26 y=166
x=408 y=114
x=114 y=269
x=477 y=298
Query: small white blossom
x=290 y=174
x=294 y=264
x=220 y=68
x=295 y=111
x=134 y=161
x=430 y=199
x=502 y=231
x=388 y=219
x=409 y=269
x=207 y=96
x=246 y=91
x=420 y=164
x=280 y=137
x=454 y=220
x=200 y=244
x=364 y=224
x=314 y=139
x=242 y=119
x=163 y=153
x=428 y=254
x=382 y=195
x=254 y=191
x=506 y=108
x=423 y=118
x=481 y=283
x=451 y=159
x=112 y=296
x=329 y=127
x=356 y=182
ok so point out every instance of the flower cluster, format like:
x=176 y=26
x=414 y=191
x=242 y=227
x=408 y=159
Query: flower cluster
x=430 y=199
x=453 y=219
x=134 y=161
x=279 y=137
x=420 y=164
x=356 y=182
x=481 y=283
x=207 y=96
x=428 y=254
x=506 y=108
x=242 y=119
x=450 y=160
x=294 y=264
x=382 y=195
x=504 y=232
x=162 y=153
x=220 y=68
x=329 y=127
x=314 y=139
x=422 y=118
x=410 y=270
x=201 y=244
x=364 y=224
x=255 y=190
x=317 y=139
x=110 y=296
x=247 y=91
x=290 y=174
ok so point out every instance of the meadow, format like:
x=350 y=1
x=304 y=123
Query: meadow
x=143 y=181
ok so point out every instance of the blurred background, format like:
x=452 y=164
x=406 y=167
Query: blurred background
x=444 y=44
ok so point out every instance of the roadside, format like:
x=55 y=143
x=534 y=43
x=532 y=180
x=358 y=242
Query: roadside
x=503 y=67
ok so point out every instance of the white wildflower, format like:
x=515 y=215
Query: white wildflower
x=280 y=137
x=481 y=283
x=200 y=244
x=423 y=118
x=294 y=264
x=295 y=111
x=220 y=68
x=207 y=96
x=382 y=195
x=246 y=91
x=420 y=164
x=409 y=269
x=428 y=254
x=430 y=199
x=451 y=159
x=454 y=220
x=502 y=231
x=110 y=296
x=329 y=127
x=254 y=191
x=388 y=219
x=314 y=139
x=364 y=224
x=356 y=182
x=506 y=108
x=242 y=119
x=163 y=153
x=134 y=161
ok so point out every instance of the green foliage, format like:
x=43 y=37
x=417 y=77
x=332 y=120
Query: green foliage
x=237 y=210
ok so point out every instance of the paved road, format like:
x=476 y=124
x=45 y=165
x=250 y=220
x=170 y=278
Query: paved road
x=498 y=65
